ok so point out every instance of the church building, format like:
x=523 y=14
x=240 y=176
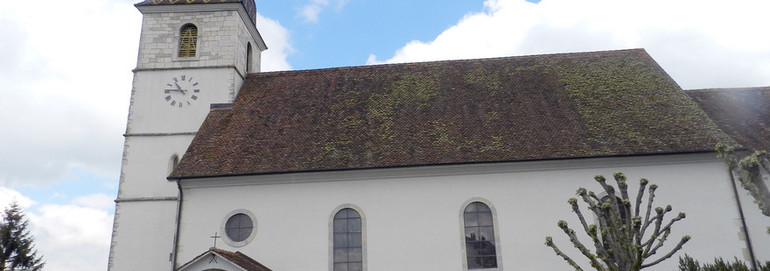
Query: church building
x=446 y=165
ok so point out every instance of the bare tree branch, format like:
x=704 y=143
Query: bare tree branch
x=618 y=237
x=582 y=248
x=549 y=242
x=671 y=253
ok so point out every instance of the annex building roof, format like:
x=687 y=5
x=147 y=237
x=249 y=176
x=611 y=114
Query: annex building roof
x=524 y=108
x=742 y=113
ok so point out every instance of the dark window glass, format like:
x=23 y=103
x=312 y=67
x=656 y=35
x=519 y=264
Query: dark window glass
x=188 y=40
x=239 y=227
x=348 y=250
x=248 y=57
x=479 y=236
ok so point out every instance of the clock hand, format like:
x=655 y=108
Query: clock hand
x=180 y=88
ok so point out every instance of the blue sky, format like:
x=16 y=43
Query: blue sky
x=65 y=93
x=75 y=183
x=347 y=35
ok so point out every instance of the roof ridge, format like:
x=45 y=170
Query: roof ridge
x=764 y=88
x=443 y=61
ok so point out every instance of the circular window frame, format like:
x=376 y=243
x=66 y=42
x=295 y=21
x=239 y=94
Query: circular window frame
x=223 y=228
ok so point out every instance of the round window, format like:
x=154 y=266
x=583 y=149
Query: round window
x=239 y=227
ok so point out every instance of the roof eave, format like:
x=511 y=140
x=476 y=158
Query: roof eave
x=189 y=177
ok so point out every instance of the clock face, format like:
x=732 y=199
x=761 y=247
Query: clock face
x=181 y=91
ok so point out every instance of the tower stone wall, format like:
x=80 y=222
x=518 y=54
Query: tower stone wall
x=170 y=98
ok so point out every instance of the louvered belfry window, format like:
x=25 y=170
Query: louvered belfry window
x=188 y=40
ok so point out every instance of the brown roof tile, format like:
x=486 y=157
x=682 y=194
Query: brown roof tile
x=558 y=106
x=743 y=113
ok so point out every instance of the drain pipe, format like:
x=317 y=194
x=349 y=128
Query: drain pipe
x=177 y=223
x=743 y=220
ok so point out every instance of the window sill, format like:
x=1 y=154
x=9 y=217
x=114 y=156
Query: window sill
x=185 y=59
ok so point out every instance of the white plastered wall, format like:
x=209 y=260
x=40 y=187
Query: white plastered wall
x=144 y=226
x=144 y=242
x=413 y=214
x=146 y=166
x=151 y=113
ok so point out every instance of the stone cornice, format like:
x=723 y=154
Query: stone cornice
x=145 y=9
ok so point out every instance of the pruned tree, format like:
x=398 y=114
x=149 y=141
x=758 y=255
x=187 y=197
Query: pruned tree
x=17 y=249
x=620 y=243
x=747 y=171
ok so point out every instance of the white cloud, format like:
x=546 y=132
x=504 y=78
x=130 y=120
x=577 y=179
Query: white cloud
x=72 y=237
x=96 y=201
x=278 y=43
x=65 y=81
x=313 y=9
x=8 y=195
x=699 y=43
x=69 y=72
x=69 y=237
x=372 y=60
x=310 y=12
x=67 y=77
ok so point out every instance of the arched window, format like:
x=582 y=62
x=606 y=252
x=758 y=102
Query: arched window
x=480 y=244
x=347 y=239
x=188 y=40
x=172 y=163
x=248 y=57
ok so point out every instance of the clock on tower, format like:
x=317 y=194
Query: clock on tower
x=181 y=91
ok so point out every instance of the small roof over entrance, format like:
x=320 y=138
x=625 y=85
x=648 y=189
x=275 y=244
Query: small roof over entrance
x=218 y=259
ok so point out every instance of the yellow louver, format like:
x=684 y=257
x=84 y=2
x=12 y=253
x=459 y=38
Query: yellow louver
x=188 y=40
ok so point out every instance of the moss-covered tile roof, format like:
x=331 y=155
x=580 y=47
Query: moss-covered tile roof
x=560 y=106
x=742 y=113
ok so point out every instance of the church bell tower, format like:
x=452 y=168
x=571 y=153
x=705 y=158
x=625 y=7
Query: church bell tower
x=192 y=54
